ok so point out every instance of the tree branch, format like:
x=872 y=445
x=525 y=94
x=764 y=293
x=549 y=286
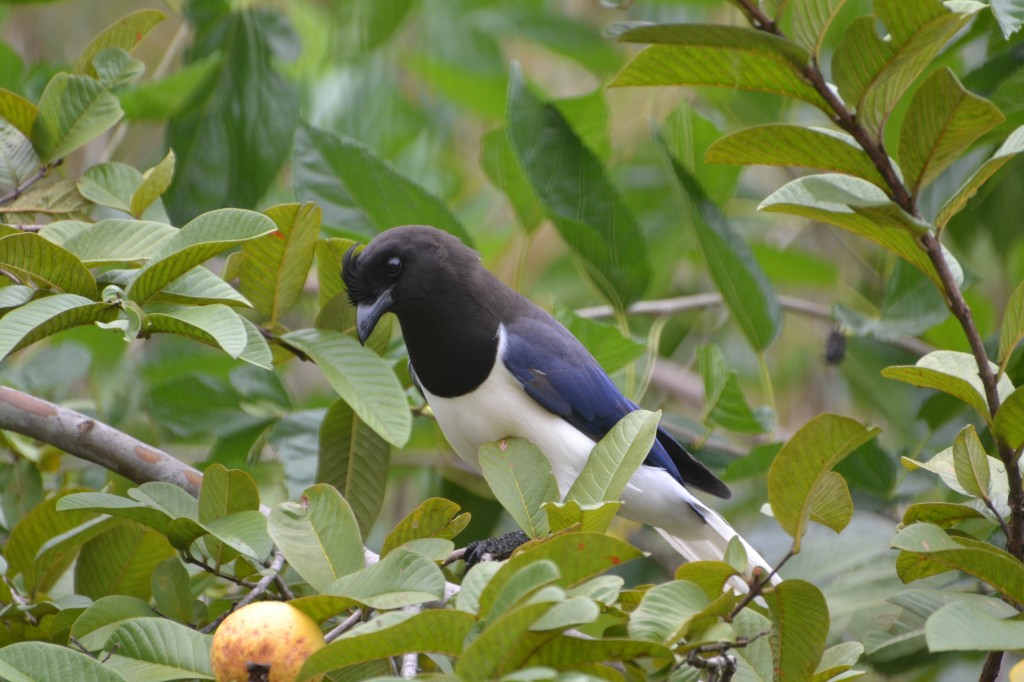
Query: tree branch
x=43 y=171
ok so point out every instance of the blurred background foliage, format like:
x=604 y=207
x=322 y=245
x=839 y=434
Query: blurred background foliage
x=270 y=102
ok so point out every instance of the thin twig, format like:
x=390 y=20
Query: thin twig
x=43 y=171
x=343 y=627
x=189 y=559
x=757 y=586
x=257 y=590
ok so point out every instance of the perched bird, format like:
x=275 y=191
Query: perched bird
x=493 y=365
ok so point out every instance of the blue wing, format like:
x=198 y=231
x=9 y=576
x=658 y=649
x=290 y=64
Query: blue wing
x=563 y=377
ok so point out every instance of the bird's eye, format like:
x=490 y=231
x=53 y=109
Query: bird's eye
x=393 y=266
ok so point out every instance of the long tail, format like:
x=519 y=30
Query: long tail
x=708 y=541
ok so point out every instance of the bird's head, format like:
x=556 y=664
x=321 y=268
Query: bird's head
x=403 y=269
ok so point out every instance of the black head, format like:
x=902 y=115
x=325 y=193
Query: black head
x=403 y=270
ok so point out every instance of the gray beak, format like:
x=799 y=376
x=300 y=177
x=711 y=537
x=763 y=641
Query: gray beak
x=370 y=312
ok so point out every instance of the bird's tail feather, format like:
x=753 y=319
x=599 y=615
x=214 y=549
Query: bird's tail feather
x=708 y=542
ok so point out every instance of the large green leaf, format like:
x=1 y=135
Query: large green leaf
x=103 y=616
x=402 y=578
x=216 y=325
x=43 y=662
x=1013 y=145
x=790 y=145
x=860 y=207
x=47 y=316
x=361 y=378
x=319 y=536
x=580 y=198
x=225 y=492
x=974 y=625
x=1012 y=330
x=943 y=120
x=725 y=405
x=970 y=463
x=520 y=476
x=112 y=241
x=18 y=160
x=737 y=275
x=28 y=255
x=275 y=267
x=433 y=518
x=163 y=98
x=354 y=459
x=943 y=466
x=202 y=238
x=928 y=550
x=725 y=56
x=666 y=611
x=72 y=111
x=803 y=465
x=615 y=458
x=159 y=648
x=504 y=171
x=811 y=21
x=198 y=287
x=434 y=631
x=20 y=112
x=387 y=197
x=120 y=561
x=1009 y=421
x=234 y=133
x=954 y=373
x=873 y=73
x=155 y=182
x=800 y=618
x=110 y=184
x=125 y=33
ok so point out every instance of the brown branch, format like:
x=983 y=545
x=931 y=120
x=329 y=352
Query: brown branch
x=43 y=171
x=92 y=440
x=758 y=583
x=257 y=590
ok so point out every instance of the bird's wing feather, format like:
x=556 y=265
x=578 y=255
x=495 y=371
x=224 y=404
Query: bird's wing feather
x=563 y=377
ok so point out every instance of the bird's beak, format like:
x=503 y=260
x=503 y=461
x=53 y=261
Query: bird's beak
x=369 y=313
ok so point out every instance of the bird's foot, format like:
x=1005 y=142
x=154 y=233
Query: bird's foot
x=494 y=549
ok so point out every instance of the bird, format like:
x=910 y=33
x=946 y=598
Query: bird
x=492 y=365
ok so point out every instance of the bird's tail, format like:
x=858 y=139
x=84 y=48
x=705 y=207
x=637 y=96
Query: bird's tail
x=708 y=541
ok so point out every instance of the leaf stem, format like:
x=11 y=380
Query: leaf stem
x=43 y=171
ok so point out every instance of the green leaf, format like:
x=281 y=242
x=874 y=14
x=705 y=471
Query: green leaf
x=115 y=67
x=811 y=21
x=1012 y=330
x=732 y=267
x=216 y=325
x=1009 y=421
x=593 y=518
x=499 y=162
x=225 y=492
x=861 y=208
x=15 y=295
x=800 y=622
x=434 y=518
x=790 y=145
x=47 y=316
x=361 y=378
x=954 y=373
x=505 y=645
x=970 y=463
x=724 y=402
x=832 y=505
x=28 y=255
x=974 y=626
x=244 y=532
x=20 y=112
x=18 y=160
x=354 y=459
x=72 y=111
x=125 y=33
x=158 y=648
x=580 y=198
x=1010 y=15
x=155 y=182
x=120 y=561
x=666 y=611
x=39 y=661
x=234 y=131
x=164 y=98
x=520 y=476
x=942 y=514
x=275 y=266
x=1013 y=145
x=929 y=550
x=202 y=238
x=873 y=73
x=402 y=578
x=610 y=347
x=942 y=465
x=387 y=197
x=837 y=660
x=726 y=56
x=112 y=241
x=110 y=184
x=172 y=591
x=944 y=120
x=802 y=466
x=97 y=622
x=615 y=458
x=568 y=653
x=257 y=351
x=116 y=505
x=319 y=537
x=198 y=287
x=434 y=631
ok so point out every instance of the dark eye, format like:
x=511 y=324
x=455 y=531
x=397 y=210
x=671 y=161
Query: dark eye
x=393 y=266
